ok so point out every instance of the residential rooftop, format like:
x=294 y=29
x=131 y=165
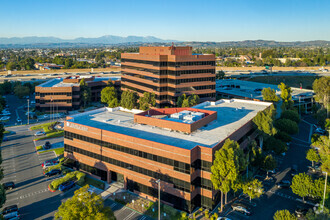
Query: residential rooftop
x=251 y=89
x=231 y=115
x=58 y=82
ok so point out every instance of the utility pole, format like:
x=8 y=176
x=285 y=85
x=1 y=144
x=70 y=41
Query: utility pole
x=28 y=122
x=158 y=181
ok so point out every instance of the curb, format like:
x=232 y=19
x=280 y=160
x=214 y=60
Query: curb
x=50 y=189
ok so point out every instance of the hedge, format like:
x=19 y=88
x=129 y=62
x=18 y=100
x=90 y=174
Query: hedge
x=76 y=175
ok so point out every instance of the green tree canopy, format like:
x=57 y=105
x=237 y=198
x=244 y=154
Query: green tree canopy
x=283 y=136
x=187 y=101
x=269 y=163
x=147 y=100
x=109 y=96
x=302 y=185
x=264 y=121
x=193 y=100
x=323 y=144
x=84 y=205
x=286 y=96
x=129 y=99
x=313 y=155
x=11 y=66
x=284 y=215
x=220 y=75
x=21 y=91
x=85 y=92
x=287 y=126
x=276 y=145
x=269 y=94
x=321 y=88
x=292 y=115
x=253 y=188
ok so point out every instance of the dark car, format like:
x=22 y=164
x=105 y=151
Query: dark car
x=283 y=184
x=47 y=145
x=241 y=208
x=65 y=186
x=9 y=185
x=11 y=216
x=53 y=172
x=294 y=170
x=301 y=211
x=9 y=209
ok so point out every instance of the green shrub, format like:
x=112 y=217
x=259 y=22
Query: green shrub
x=207 y=215
x=287 y=126
x=283 y=136
x=201 y=209
x=315 y=137
x=76 y=175
x=292 y=115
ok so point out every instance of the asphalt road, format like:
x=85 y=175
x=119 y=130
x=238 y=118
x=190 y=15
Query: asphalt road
x=22 y=165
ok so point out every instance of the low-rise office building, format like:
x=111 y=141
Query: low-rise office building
x=63 y=94
x=174 y=145
x=169 y=72
x=232 y=88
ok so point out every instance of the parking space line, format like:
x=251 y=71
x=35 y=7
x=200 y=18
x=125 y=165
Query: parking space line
x=142 y=218
x=121 y=210
x=113 y=205
x=34 y=193
x=129 y=215
x=11 y=200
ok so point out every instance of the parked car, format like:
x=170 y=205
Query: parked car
x=319 y=131
x=11 y=216
x=46 y=145
x=19 y=120
x=283 y=184
x=223 y=218
x=65 y=186
x=8 y=185
x=48 y=164
x=53 y=172
x=4 y=118
x=9 y=209
x=39 y=133
x=241 y=208
x=5 y=139
x=300 y=211
x=314 y=169
x=294 y=170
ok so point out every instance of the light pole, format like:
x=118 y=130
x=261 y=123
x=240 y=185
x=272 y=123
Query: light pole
x=325 y=189
x=28 y=111
x=158 y=181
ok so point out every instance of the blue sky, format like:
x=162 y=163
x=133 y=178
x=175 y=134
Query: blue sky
x=188 y=20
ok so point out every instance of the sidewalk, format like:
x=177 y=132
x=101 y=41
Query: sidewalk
x=110 y=189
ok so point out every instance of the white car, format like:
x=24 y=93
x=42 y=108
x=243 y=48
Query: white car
x=4 y=118
x=19 y=120
x=39 y=133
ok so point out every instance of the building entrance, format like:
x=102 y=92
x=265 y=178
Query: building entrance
x=117 y=177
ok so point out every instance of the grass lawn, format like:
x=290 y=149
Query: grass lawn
x=39 y=148
x=58 y=151
x=292 y=81
x=94 y=182
x=6 y=132
x=171 y=213
x=45 y=126
x=51 y=135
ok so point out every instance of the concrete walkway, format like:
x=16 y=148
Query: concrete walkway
x=114 y=187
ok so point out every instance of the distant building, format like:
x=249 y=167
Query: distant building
x=47 y=66
x=174 y=145
x=230 y=88
x=283 y=60
x=169 y=72
x=63 y=95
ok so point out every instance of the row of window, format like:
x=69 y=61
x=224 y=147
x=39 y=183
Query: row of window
x=179 y=184
x=170 y=81
x=177 y=165
x=171 y=64
x=53 y=101
x=169 y=72
x=43 y=94
x=193 y=88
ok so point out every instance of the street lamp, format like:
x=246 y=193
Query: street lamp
x=158 y=182
x=28 y=111
x=325 y=188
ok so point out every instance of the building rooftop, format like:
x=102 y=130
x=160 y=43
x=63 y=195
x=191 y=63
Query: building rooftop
x=58 y=82
x=231 y=115
x=251 y=89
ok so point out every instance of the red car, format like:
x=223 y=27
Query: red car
x=49 y=163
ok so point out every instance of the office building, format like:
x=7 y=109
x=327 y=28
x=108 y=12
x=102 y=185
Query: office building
x=169 y=72
x=62 y=95
x=174 y=145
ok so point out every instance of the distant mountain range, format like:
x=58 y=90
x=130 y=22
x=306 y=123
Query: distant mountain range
x=45 y=42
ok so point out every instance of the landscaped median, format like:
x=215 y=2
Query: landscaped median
x=49 y=129
x=77 y=176
x=58 y=151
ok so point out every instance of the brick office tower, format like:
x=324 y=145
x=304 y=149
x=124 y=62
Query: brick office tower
x=174 y=145
x=169 y=72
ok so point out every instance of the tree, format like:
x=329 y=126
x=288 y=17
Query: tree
x=180 y=100
x=286 y=96
x=269 y=163
x=321 y=88
x=302 y=185
x=147 y=100
x=228 y=162
x=283 y=136
x=292 y=115
x=269 y=94
x=84 y=205
x=276 y=145
x=11 y=66
x=109 y=96
x=185 y=103
x=85 y=92
x=2 y=195
x=129 y=99
x=312 y=155
x=220 y=75
x=21 y=91
x=287 y=126
x=253 y=189
x=193 y=100
x=284 y=215
x=264 y=121
x=318 y=188
x=323 y=144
